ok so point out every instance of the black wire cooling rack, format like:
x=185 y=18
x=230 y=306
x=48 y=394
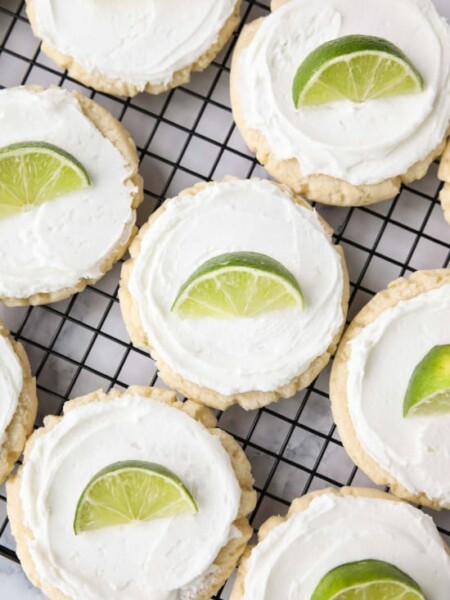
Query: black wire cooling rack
x=183 y=136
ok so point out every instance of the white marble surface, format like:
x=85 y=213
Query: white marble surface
x=13 y=583
x=308 y=443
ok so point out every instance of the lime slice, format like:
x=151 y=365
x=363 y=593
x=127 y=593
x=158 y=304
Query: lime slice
x=131 y=491
x=238 y=284
x=33 y=172
x=357 y=68
x=367 y=580
x=428 y=390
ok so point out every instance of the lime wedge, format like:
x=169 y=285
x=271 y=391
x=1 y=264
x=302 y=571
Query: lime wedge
x=357 y=68
x=238 y=284
x=367 y=580
x=131 y=491
x=428 y=390
x=33 y=172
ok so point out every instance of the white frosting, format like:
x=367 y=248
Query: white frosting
x=11 y=383
x=361 y=143
x=238 y=355
x=415 y=450
x=64 y=240
x=137 y=41
x=334 y=530
x=165 y=559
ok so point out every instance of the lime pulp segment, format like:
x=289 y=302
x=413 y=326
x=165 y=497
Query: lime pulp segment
x=367 y=580
x=428 y=391
x=129 y=491
x=238 y=284
x=356 y=68
x=34 y=172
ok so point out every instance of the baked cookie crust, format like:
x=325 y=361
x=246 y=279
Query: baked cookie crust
x=444 y=175
x=21 y=424
x=247 y=400
x=300 y=505
x=321 y=188
x=114 y=131
x=118 y=87
x=398 y=290
x=227 y=558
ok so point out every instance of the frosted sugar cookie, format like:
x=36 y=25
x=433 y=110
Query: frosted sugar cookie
x=237 y=290
x=128 y=46
x=444 y=175
x=131 y=496
x=342 y=100
x=390 y=388
x=18 y=404
x=69 y=188
x=352 y=543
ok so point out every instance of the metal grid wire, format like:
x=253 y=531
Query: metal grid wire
x=183 y=136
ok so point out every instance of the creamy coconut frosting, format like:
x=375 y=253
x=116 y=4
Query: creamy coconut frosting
x=60 y=242
x=294 y=556
x=238 y=355
x=361 y=143
x=11 y=382
x=137 y=41
x=414 y=450
x=164 y=559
